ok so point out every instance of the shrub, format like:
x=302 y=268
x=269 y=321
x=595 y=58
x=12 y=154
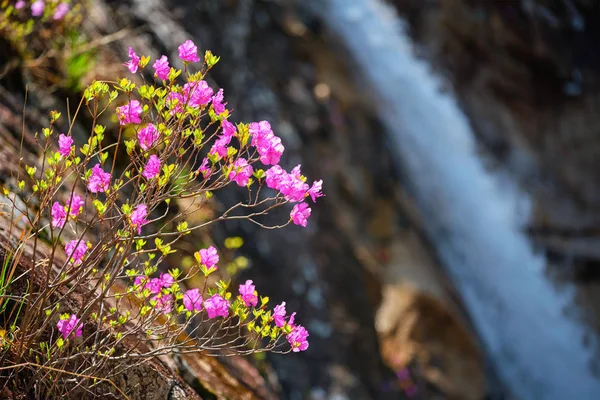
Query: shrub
x=118 y=225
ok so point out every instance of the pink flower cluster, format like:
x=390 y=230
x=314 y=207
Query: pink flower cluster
x=65 y=144
x=67 y=326
x=209 y=258
x=297 y=338
x=59 y=212
x=99 y=180
x=154 y=285
x=267 y=144
x=75 y=251
x=130 y=113
x=216 y=306
x=147 y=136
x=152 y=168
x=248 y=294
x=138 y=217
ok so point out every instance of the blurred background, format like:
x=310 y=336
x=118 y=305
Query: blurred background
x=456 y=254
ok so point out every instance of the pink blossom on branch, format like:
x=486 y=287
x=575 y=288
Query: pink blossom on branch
x=162 y=68
x=220 y=146
x=147 y=136
x=188 y=51
x=270 y=149
x=20 y=4
x=274 y=176
x=300 y=214
x=204 y=169
x=316 y=190
x=216 y=306
x=76 y=205
x=130 y=113
x=248 y=294
x=59 y=215
x=259 y=130
x=64 y=145
x=37 y=8
x=152 y=168
x=192 y=300
x=175 y=102
x=228 y=128
x=166 y=280
x=138 y=217
x=217 y=102
x=61 y=11
x=164 y=303
x=67 y=326
x=209 y=257
x=197 y=94
x=134 y=61
x=99 y=181
x=241 y=172
x=75 y=251
x=279 y=313
x=268 y=145
x=292 y=186
x=298 y=339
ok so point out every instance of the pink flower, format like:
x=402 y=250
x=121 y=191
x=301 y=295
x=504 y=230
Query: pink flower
x=164 y=303
x=220 y=146
x=292 y=319
x=274 y=176
x=37 y=8
x=241 y=172
x=147 y=136
x=300 y=214
x=75 y=250
x=66 y=326
x=217 y=102
x=138 y=217
x=155 y=285
x=166 y=280
x=99 y=180
x=64 y=145
x=175 y=102
x=20 y=4
x=197 y=93
x=59 y=215
x=209 y=257
x=316 y=190
x=259 y=130
x=76 y=205
x=134 y=62
x=188 y=51
x=192 y=300
x=292 y=186
x=61 y=10
x=130 y=113
x=270 y=149
x=228 y=128
x=152 y=168
x=249 y=296
x=140 y=282
x=204 y=169
x=162 y=68
x=216 y=306
x=297 y=339
x=279 y=315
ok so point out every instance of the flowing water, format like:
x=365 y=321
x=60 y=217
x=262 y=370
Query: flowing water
x=473 y=216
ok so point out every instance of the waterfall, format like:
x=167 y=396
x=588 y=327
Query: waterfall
x=473 y=216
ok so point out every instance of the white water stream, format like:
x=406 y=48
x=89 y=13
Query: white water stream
x=473 y=216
